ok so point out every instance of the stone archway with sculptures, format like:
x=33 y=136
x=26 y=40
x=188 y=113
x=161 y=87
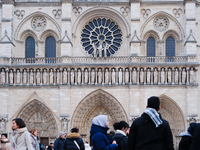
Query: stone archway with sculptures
x=36 y=115
x=96 y=103
x=174 y=115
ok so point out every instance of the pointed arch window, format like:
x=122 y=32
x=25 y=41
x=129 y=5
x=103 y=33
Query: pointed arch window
x=170 y=46
x=50 y=49
x=151 y=47
x=30 y=47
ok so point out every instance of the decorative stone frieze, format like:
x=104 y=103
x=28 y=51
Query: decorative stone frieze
x=145 y=12
x=20 y=14
x=125 y=10
x=57 y=13
x=161 y=23
x=39 y=23
x=177 y=12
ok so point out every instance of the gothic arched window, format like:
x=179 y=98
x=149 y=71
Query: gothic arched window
x=30 y=47
x=50 y=47
x=170 y=46
x=151 y=47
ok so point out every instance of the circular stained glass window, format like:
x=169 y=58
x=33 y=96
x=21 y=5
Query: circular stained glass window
x=101 y=37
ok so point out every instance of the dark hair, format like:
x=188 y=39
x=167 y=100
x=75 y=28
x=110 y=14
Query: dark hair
x=76 y=130
x=19 y=122
x=51 y=143
x=5 y=134
x=153 y=102
x=120 y=125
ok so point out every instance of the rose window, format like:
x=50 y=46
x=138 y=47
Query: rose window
x=39 y=23
x=161 y=23
x=101 y=37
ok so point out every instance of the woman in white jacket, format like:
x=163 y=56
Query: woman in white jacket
x=20 y=139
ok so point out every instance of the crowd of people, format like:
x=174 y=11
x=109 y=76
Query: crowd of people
x=148 y=132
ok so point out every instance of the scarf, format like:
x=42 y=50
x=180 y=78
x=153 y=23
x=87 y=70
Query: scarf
x=16 y=134
x=153 y=114
x=121 y=132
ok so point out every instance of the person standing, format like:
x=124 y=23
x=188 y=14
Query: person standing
x=50 y=147
x=195 y=145
x=74 y=141
x=100 y=138
x=87 y=146
x=59 y=142
x=20 y=139
x=34 y=140
x=150 y=131
x=5 y=144
x=120 y=137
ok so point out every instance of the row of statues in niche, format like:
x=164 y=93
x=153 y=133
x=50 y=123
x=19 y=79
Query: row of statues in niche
x=100 y=76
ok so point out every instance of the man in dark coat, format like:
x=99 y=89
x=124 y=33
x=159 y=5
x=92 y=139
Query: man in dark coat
x=196 y=138
x=150 y=131
x=50 y=147
x=59 y=142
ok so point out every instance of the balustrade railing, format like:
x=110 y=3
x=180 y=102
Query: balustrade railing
x=98 y=60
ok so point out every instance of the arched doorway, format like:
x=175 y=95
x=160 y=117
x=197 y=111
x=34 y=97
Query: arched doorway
x=174 y=115
x=96 y=103
x=36 y=115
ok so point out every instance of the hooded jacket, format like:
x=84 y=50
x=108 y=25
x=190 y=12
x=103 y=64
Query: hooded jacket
x=70 y=144
x=58 y=144
x=145 y=136
x=100 y=138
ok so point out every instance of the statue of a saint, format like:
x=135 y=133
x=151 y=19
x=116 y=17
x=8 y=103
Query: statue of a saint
x=58 y=77
x=92 y=76
x=86 y=76
x=38 y=77
x=176 y=76
x=11 y=77
x=155 y=76
x=107 y=75
x=51 y=76
x=113 y=76
x=169 y=76
x=120 y=76
x=45 y=77
x=31 y=77
x=141 y=76
x=126 y=76
x=192 y=76
x=148 y=76
x=134 y=76
x=183 y=76
x=79 y=77
x=72 y=77
x=64 y=76
x=18 y=77
x=24 y=77
x=162 y=75
x=99 y=76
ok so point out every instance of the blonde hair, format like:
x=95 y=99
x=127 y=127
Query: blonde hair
x=32 y=130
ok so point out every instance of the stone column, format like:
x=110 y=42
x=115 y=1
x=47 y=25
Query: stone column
x=145 y=76
x=188 y=72
x=152 y=75
x=179 y=76
x=138 y=76
x=173 y=72
x=21 y=73
x=68 y=76
x=159 y=76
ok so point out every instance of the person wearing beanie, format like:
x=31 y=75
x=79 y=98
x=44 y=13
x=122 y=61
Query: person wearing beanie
x=195 y=132
x=74 y=141
x=120 y=137
x=59 y=142
x=100 y=138
x=4 y=142
x=150 y=131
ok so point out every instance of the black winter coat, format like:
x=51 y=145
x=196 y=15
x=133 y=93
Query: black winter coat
x=185 y=143
x=58 y=144
x=121 y=141
x=196 y=138
x=145 y=136
x=69 y=142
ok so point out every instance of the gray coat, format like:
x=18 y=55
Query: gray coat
x=34 y=142
x=21 y=140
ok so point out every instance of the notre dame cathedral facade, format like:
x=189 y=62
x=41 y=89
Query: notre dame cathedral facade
x=62 y=62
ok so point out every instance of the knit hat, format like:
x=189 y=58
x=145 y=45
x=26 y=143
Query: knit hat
x=100 y=120
x=153 y=102
x=61 y=133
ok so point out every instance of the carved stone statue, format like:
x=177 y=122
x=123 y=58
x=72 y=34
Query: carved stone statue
x=176 y=76
x=169 y=76
x=72 y=77
x=120 y=76
x=162 y=75
x=3 y=77
x=141 y=76
x=113 y=76
x=92 y=76
x=183 y=76
x=79 y=77
x=45 y=77
x=155 y=76
x=100 y=48
x=65 y=76
x=134 y=76
x=65 y=124
x=100 y=76
x=24 y=77
x=31 y=77
x=126 y=76
x=58 y=77
x=18 y=77
x=107 y=75
x=3 y=126
x=95 y=49
x=148 y=76
x=38 y=77
x=192 y=76
x=51 y=77
x=11 y=77
x=86 y=76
